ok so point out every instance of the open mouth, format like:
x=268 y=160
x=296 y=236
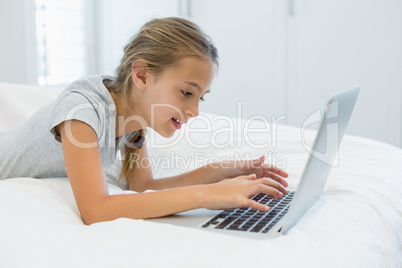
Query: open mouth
x=176 y=123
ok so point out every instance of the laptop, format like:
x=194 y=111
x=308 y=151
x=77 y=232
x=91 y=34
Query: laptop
x=288 y=210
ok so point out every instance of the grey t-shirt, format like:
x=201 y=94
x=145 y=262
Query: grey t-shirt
x=33 y=149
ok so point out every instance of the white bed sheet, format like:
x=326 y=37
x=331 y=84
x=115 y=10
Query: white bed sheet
x=356 y=223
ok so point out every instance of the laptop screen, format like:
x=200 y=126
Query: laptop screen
x=324 y=154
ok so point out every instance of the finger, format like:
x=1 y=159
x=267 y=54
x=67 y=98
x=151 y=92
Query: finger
x=254 y=166
x=250 y=177
x=275 y=169
x=271 y=183
x=258 y=171
x=269 y=190
x=275 y=177
x=250 y=166
x=257 y=206
x=256 y=163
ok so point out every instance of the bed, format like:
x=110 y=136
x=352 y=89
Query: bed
x=357 y=222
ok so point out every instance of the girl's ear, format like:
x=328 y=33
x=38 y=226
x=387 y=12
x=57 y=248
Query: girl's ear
x=139 y=74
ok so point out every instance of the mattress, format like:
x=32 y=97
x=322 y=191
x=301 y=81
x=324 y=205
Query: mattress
x=357 y=222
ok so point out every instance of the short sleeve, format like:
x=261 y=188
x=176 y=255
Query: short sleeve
x=76 y=106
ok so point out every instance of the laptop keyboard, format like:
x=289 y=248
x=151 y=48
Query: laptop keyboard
x=251 y=220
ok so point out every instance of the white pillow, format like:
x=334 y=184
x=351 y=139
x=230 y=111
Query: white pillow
x=18 y=102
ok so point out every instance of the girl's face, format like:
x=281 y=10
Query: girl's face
x=173 y=96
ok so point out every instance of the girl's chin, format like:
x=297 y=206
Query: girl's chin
x=167 y=135
x=164 y=133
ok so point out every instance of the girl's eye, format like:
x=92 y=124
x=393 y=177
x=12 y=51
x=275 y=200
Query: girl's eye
x=186 y=93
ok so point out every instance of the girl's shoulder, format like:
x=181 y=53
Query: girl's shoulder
x=87 y=100
x=90 y=86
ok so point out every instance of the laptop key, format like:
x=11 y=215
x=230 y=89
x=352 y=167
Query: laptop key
x=222 y=225
x=248 y=219
x=257 y=228
x=267 y=228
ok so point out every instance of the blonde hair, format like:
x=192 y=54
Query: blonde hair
x=160 y=44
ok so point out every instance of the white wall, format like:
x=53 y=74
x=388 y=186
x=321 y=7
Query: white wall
x=250 y=38
x=119 y=20
x=17 y=45
x=277 y=57
x=250 y=47
x=338 y=44
x=288 y=57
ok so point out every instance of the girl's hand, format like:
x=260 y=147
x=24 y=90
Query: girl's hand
x=236 y=192
x=256 y=166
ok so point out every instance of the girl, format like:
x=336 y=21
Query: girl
x=167 y=68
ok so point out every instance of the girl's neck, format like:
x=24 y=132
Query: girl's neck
x=125 y=123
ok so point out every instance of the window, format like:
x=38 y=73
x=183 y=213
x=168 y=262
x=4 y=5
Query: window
x=62 y=40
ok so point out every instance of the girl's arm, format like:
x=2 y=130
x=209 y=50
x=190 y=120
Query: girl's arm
x=87 y=179
x=142 y=179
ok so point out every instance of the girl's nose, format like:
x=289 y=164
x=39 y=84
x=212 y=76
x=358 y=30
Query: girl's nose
x=193 y=111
